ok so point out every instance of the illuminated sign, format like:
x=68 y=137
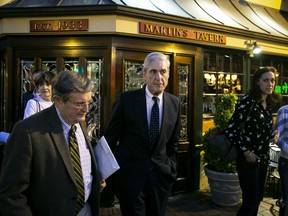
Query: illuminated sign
x=59 y=25
x=179 y=32
x=282 y=89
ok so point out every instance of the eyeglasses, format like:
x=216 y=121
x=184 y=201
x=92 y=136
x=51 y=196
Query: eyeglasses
x=80 y=105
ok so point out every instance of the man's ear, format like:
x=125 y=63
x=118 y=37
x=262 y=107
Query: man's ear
x=56 y=99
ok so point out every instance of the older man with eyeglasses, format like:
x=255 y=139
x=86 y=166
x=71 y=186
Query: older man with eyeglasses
x=48 y=166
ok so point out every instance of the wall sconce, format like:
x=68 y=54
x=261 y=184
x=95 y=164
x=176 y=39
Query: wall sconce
x=255 y=47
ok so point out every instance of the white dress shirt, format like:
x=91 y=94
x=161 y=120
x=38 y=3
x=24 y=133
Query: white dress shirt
x=84 y=153
x=149 y=104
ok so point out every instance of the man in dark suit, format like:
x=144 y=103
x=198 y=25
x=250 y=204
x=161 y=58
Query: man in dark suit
x=38 y=175
x=147 y=162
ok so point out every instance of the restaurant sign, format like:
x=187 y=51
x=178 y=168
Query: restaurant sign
x=179 y=32
x=58 y=25
x=282 y=89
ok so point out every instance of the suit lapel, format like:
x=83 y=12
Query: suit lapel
x=167 y=115
x=59 y=140
x=140 y=110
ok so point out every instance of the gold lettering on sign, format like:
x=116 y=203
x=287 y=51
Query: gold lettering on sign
x=58 y=25
x=177 y=32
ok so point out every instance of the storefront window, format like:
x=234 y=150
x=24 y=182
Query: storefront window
x=26 y=68
x=255 y=62
x=49 y=65
x=71 y=64
x=94 y=72
x=223 y=73
x=133 y=75
x=183 y=73
x=282 y=82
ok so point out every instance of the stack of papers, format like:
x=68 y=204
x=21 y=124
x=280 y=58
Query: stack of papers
x=105 y=159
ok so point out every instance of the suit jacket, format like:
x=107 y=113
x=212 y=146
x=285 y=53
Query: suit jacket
x=134 y=153
x=37 y=176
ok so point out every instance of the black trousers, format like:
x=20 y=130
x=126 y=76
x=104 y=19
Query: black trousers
x=252 y=178
x=148 y=200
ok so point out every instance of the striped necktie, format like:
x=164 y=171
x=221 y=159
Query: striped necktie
x=154 y=122
x=75 y=158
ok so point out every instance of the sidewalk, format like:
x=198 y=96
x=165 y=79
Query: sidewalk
x=199 y=203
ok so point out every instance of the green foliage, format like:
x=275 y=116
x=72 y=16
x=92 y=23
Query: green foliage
x=224 y=111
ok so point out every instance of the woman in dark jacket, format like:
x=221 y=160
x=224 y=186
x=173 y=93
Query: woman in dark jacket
x=253 y=143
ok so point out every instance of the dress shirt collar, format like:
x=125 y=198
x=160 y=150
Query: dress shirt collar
x=149 y=95
x=66 y=127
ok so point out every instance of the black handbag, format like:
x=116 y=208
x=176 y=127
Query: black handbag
x=222 y=146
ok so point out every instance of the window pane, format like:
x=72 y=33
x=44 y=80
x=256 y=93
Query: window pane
x=133 y=75
x=49 y=64
x=93 y=118
x=26 y=68
x=72 y=65
x=183 y=83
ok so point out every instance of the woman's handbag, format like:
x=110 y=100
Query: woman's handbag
x=222 y=146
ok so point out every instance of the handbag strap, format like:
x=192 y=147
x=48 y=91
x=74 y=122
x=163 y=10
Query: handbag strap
x=38 y=103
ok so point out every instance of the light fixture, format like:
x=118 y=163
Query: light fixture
x=256 y=49
x=252 y=47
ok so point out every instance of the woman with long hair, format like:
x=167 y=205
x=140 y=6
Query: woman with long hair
x=253 y=143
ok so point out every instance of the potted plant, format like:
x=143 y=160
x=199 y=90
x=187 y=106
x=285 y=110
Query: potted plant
x=222 y=176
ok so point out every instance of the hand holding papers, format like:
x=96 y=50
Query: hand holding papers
x=105 y=159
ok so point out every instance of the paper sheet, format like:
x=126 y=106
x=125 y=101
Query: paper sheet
x=105 y=159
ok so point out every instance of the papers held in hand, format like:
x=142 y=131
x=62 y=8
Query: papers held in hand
x=105 y=159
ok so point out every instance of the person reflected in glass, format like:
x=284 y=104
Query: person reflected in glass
x=253 y=143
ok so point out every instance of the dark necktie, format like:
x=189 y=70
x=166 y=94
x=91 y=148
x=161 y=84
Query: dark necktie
x=154 y=122
x=75 y=158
